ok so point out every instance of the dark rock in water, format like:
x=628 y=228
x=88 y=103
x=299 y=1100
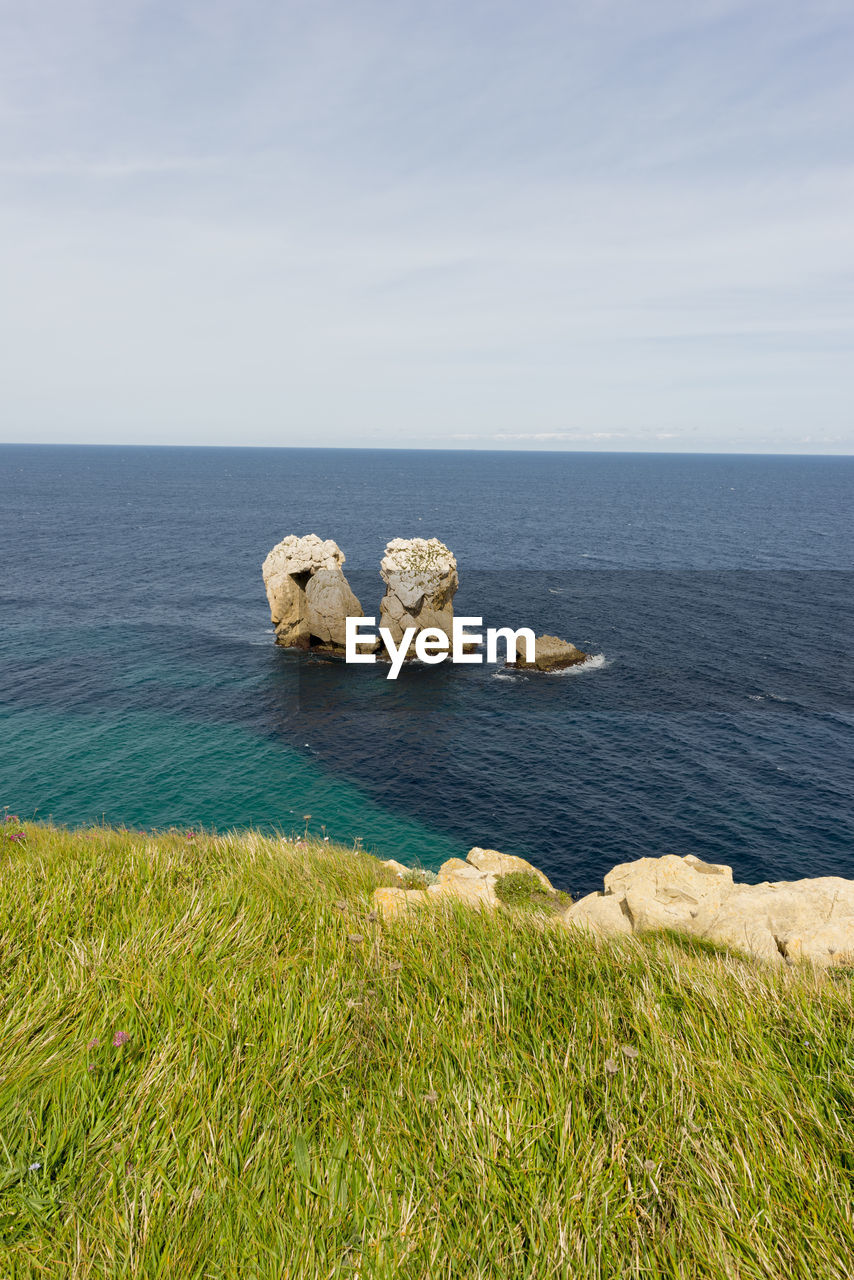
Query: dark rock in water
x=550 y=654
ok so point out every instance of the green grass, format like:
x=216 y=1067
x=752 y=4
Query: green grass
x=525 y=891
x=308 y=1092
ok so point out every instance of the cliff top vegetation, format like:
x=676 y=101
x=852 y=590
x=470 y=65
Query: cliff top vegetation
x=218 y=1061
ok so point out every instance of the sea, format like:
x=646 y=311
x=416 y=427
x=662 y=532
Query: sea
x=140 y=684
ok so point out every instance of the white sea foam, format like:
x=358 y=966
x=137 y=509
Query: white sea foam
x=596 y=662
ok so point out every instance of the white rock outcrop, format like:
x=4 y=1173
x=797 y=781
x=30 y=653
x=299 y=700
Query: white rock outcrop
x=778 y=921
x=421 y=578
x=309 y=597
x=472 y=882
x=782 y=921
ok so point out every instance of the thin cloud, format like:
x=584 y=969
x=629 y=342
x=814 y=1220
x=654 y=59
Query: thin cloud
x=566 y=436
x=275 y=223
x=80 y=167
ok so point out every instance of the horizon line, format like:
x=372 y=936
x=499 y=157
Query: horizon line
x=654 y=453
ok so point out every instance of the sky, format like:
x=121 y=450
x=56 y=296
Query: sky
x=442 y=224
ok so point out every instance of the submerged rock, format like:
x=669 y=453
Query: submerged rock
x=309 y=597
x=784 y=920
x=421 y=578
x=550 y=654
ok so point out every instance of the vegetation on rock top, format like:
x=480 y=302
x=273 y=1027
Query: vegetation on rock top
x=525 y=890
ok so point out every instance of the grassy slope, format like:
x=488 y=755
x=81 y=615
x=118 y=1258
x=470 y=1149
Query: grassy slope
x=307 y=1092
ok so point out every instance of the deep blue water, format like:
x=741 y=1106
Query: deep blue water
x=139 y=681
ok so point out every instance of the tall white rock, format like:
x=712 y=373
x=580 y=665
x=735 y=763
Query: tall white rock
x=309 y=597
x=421 y=579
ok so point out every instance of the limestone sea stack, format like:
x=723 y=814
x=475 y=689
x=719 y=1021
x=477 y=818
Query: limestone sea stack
x=310 y=598
x=550 y=654
x=421 y=578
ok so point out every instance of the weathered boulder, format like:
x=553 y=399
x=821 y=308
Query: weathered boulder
x=471 y=882
x=786 y=920
x=399 y=869
x=392 y=903
x=793 y=920
x=550 y=654
x=600 y=913
x=310 y=599
x=421 y=578
x=503 y=863
x=464 y=884
x=666 y=893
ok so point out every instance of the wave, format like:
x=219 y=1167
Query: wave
x=596 y=662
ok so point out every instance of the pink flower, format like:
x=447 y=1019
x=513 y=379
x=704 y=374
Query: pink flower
x=93 y=1044
x=17 y=835
x=121 y=1037
x=11 y=817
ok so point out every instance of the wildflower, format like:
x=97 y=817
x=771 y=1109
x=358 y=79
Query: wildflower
x=93 y=1044
x=17 y=835
x=611 y=1067
x=649 y=1165
x=35 y=1166
x=355 y=938
x=629 y=1051
x=11 y=817
x=431 y=1096
x=121 y=1037
x=91 y=1066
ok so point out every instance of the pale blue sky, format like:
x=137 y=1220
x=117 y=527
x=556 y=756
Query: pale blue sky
x=437 y=224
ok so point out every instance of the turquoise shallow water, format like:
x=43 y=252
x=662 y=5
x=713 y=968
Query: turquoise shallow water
x=157 y=770
x=139 y=682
